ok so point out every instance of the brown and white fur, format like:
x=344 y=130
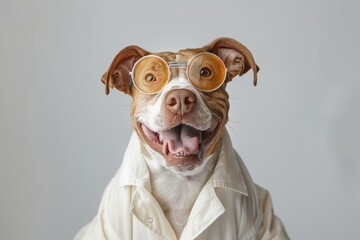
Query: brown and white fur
x=177 y=178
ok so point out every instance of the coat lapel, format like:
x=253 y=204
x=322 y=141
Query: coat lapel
x=206 y=210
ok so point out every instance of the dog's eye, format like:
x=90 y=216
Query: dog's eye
x=150 y=77
x=205 y=72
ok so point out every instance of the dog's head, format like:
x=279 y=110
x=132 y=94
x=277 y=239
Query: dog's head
x=180 y=105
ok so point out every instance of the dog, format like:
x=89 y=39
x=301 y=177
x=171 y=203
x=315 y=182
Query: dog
x=181 y=177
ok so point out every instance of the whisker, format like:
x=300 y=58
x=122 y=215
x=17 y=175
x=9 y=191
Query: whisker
x=125 y=130
x=122 y=105
x=231 y=97
x=237 y=122
x=232 y=129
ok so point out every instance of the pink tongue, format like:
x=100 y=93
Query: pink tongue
x=181 y=141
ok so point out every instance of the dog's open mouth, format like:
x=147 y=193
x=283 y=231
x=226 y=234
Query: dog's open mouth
x=181 y=144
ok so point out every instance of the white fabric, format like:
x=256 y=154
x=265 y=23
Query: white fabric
x=230 y=206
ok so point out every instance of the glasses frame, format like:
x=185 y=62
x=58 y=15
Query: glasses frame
x=178 y=64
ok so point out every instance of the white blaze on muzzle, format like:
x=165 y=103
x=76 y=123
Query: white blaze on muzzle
x=153 y=116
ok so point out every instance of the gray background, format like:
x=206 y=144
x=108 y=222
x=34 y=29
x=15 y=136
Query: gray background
x=62 y=139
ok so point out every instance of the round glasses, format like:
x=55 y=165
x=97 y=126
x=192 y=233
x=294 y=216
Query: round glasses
x=206 y=72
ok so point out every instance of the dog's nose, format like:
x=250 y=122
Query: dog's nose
x=180 y=101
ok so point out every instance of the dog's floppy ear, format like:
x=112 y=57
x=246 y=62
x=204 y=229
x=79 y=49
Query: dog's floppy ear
x=117 y=76
x=237 y=58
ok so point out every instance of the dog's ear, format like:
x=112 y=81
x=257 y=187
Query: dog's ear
x=237 y=58
x=118 y=74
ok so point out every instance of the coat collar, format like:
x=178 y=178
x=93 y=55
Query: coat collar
x=228 y=172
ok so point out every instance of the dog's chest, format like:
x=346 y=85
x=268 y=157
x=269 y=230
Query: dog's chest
x=173 y=192
x=176 y=196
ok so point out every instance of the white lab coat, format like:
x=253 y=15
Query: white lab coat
x=230 y=206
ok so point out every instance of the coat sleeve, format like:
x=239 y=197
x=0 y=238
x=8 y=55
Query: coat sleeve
x=96 y=228
x=111 y=221
x=92 y=230
x=271 y=227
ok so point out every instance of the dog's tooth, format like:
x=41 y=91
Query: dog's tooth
x=161 y=137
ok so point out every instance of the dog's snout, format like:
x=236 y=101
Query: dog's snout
x=180 y=101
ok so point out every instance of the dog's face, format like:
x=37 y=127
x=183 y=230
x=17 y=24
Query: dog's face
x=180 y=105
